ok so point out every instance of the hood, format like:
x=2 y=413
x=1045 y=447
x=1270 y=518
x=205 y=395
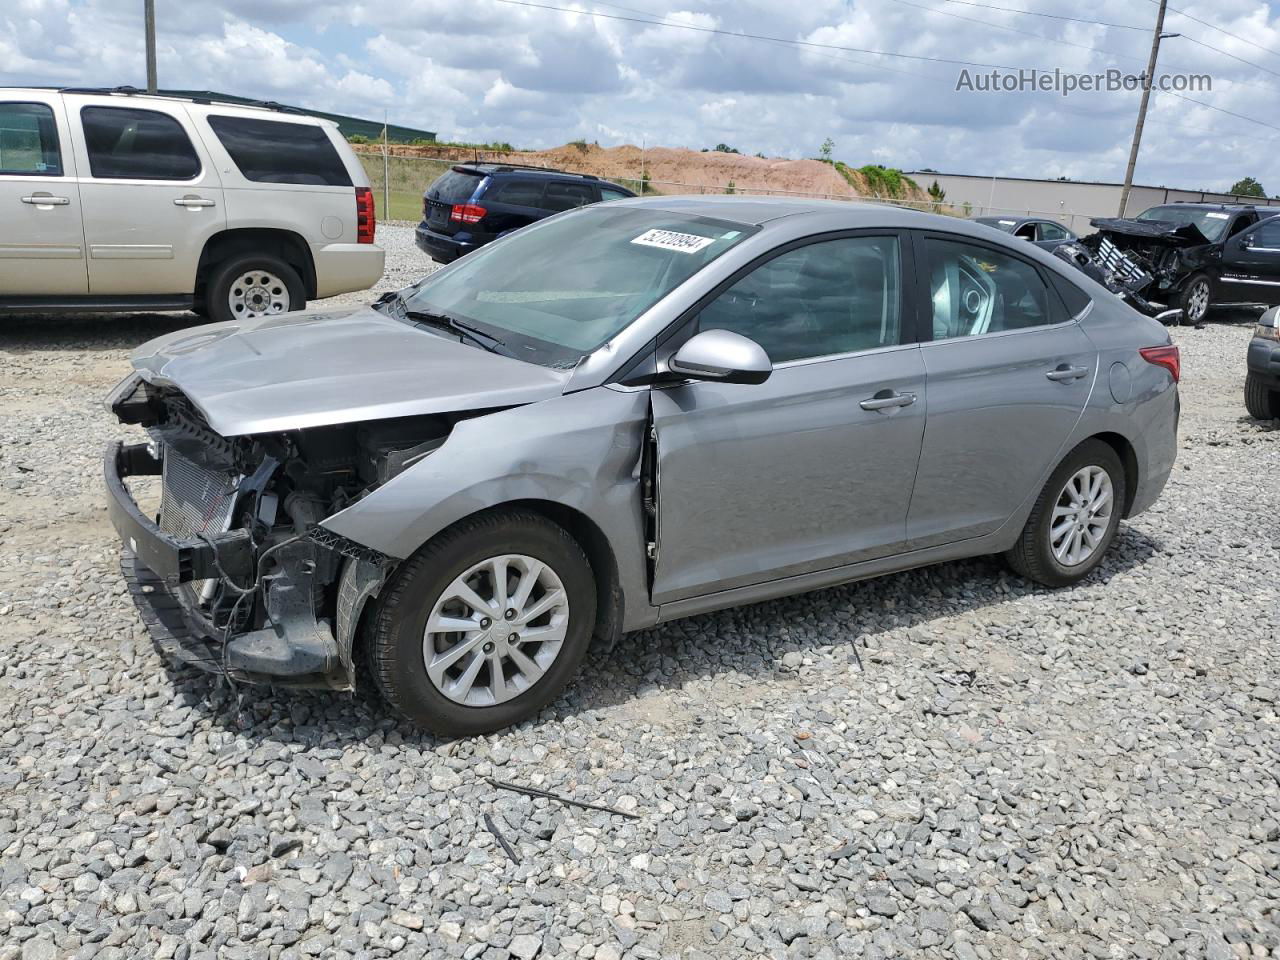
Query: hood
x=318 y=368
x=1159 y=231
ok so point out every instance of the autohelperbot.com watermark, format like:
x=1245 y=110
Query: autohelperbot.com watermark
x=1030 y=80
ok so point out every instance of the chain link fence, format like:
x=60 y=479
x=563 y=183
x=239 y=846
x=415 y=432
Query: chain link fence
x=399 y=181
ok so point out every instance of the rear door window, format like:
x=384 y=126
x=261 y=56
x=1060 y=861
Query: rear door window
x=125 y=143
x=29 y=141
x=566 y=196
x=976 y=290
x=455 y=186
x=271 y=151
x=518 y=193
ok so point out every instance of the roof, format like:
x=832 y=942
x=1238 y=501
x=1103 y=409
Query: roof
x=348 y=126
x=522 y=168
x=757 y=211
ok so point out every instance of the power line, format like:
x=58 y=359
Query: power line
x=1250 y=63
x=1214 y=26
x=1025 y=33
x=1050 y=16
x=1210 y=106
x=758 y=36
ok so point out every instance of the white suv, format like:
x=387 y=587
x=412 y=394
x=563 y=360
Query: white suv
x=113 y=200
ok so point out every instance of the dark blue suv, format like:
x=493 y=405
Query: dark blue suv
x=474 y=203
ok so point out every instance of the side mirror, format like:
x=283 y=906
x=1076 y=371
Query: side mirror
x=1270 y=317
x=721 y=356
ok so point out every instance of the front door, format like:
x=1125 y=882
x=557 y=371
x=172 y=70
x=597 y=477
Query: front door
x=1251 y=265
x=813 y=468
x=1008 y=373
x=152 y=198
x=41 y=237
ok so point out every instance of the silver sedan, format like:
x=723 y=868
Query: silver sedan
x=622 y=415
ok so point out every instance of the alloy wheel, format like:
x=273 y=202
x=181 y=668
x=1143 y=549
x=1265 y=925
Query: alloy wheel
x=496 y=630
x=258 y=293
x=1081 y=516
x=1198 y=301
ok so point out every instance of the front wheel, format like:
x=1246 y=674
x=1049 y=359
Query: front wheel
x=1194 y=300
x=1260 y=400
x=1075 y=519
x=485 y=625
x=257 y=285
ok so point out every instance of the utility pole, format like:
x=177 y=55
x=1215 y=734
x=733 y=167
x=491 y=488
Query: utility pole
x=1147 y=80
x=149 y=14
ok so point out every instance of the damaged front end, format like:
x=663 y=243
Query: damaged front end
x=232 y=571
x=1144 y=262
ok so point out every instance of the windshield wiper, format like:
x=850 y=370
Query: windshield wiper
x=481 y=339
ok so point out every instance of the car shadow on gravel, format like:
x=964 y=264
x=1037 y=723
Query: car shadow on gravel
x=750 y=639
x=78 y=333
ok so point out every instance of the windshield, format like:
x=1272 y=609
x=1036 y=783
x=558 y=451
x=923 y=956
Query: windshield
x=1211 y=222
x=555 y=291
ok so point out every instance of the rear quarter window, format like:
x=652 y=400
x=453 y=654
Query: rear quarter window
x=520 y=193
x=1072 y=296
x=272 y=151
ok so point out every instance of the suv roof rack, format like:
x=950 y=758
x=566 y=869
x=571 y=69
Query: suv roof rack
x=194 y=96
x=512 y=167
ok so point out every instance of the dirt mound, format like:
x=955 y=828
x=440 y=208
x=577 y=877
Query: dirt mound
x=673 y=170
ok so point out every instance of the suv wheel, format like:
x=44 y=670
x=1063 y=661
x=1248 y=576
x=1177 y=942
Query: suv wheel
x=1260 y=400
x=250 y=286
x=1194 y=300
x=485 y=625
x=1074 y=520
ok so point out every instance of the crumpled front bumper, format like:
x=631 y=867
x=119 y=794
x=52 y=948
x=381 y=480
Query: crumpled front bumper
x=296 y=647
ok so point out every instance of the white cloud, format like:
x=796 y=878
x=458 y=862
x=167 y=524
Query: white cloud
x=489 y=70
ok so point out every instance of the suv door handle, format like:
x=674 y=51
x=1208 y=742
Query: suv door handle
x=46 y=200
x=193 y=202
x=1065 y=373
x=886 y=399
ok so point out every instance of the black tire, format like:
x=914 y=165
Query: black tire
x=395 y=648
x=1260 y=400
x=218 y=290
x=1188 y=299
x=1033 y=555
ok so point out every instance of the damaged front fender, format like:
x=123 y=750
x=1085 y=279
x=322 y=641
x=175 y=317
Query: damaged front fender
x=580 y=451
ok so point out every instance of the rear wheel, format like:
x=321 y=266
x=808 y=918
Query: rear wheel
x=257 y=285
x=485 y=625
x=1194 y=300
x=1260 y=400
x=1075 y=518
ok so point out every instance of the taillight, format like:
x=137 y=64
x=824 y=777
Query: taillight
x=467 y=213
x=1167 y=357
x=366 y=217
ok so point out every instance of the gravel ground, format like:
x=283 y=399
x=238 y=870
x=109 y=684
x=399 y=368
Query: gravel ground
x=945 y=763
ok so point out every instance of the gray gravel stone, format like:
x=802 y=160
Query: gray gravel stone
x=987 y=778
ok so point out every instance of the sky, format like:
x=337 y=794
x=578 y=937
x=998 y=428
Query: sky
x=486 y=70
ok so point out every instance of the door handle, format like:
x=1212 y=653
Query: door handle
x=46 y=201
x=1065 y=373
x=885 y=399
x=193 y=202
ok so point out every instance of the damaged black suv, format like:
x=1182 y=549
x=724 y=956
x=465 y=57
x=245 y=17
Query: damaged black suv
x=1200 y=255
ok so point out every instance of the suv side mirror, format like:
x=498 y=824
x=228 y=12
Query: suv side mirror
x=721 y=356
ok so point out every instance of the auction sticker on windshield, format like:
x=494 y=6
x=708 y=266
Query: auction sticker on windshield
x=671 y=240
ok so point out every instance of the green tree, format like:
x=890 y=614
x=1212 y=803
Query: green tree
x=644 y=183
x=731 y=187
x=937 y=194
x=1248 y=187
x=724 y=148
x=824 y=152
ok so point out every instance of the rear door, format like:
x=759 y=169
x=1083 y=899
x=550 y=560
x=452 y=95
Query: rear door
x=567 y=195
x=152 y=197
x=512 y=202
x=813 y=468
x=41 y=235
x=1251 y=265
x=1008 y=374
